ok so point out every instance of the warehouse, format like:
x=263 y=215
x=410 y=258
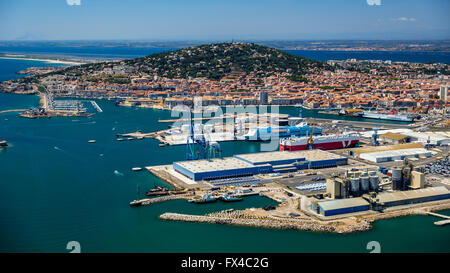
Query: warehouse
x=313 y=158
x=385 y=156
x=414 y=196
x=258 y=163
x=218 y=168
x=342 y=206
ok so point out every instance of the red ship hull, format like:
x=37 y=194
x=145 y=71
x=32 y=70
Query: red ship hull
x=321 y=146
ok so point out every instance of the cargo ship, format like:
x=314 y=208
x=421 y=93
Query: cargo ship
x=269 y=133
x=351 y=112
x=391 y=115
x=327 y=142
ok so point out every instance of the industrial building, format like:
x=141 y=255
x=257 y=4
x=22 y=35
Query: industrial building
x=257 y=163
x=394 y=138
x=341 y=206
x=398 y=198
x=385 y=156
x=354 y=183
x=218 y=168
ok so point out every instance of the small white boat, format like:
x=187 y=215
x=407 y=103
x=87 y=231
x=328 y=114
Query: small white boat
x=136 y=169
x=92 y=141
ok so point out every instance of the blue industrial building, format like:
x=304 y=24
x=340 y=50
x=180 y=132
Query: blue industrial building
x=257 y=163
x=341 y=206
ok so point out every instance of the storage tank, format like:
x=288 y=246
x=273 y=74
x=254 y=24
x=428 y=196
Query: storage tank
x=354 y=186
x=364 y=183
x=396 y=179
x=373 y=180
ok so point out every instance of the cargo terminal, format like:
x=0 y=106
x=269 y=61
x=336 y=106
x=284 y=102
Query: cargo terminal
x=258 y=163
x=362 y=190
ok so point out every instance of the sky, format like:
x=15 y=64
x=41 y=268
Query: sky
x=224 y=20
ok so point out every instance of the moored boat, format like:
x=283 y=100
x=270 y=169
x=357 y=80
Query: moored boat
x=230 y=198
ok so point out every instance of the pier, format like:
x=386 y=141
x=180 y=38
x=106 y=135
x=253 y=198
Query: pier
x=442 y=222
x=11 y=111
x=95 y=105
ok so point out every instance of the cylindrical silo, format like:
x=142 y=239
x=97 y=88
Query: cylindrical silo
x=354 y=186
x=396 y=179
x=373 y=179
x=364 y=183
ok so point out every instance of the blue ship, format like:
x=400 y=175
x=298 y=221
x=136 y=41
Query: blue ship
x=269 y=133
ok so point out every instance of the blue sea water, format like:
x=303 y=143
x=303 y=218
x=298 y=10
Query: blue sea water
x=123 y=52
x=55 y=187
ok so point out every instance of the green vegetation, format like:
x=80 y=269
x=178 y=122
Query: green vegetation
x=214 y=61
x=211 y=61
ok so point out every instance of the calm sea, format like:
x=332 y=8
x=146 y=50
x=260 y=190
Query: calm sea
x=320 y=55
x=55 y=187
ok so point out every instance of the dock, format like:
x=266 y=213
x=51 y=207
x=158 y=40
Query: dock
x=442 y=222
x=11 y=111
x=95 y=105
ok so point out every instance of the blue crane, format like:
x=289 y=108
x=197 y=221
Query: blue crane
x=192 y=141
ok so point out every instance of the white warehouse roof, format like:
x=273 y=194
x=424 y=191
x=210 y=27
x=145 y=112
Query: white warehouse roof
x=385 y=156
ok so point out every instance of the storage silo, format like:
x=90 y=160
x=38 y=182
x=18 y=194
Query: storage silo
x=373 y=180
x=397 y=179
x=354 y=186
x=364 y=184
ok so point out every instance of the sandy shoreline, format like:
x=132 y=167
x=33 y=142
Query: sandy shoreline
x=52 y=61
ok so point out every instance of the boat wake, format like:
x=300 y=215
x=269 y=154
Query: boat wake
x=116 y=172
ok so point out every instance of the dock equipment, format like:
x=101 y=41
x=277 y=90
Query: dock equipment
x=193 y=141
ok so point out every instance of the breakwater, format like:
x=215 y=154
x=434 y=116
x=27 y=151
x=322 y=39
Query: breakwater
x=146 y=202
x=263 y=222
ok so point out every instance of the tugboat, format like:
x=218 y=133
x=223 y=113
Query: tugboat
x=206 y=198
x=3 y=143
x=230 y=198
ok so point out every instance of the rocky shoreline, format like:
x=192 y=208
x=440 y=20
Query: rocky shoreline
x=241 y=218
x=267 y=223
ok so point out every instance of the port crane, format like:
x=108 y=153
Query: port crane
x=192 y=153
x=311 y=140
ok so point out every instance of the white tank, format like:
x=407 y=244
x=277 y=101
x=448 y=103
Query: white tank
x=373 y=182
x=396 y=179
x=354 y=185
x=364 y=184
x=396 y=175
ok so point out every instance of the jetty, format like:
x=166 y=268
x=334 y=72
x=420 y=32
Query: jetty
x=442 y=222
x=95 y=105
x=149 y=201
x=11 y=111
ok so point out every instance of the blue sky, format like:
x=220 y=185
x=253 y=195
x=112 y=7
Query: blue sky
x=223 y=20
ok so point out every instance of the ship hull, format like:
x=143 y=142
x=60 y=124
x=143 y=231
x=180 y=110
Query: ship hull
x=322 y=146
x=402 y=118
